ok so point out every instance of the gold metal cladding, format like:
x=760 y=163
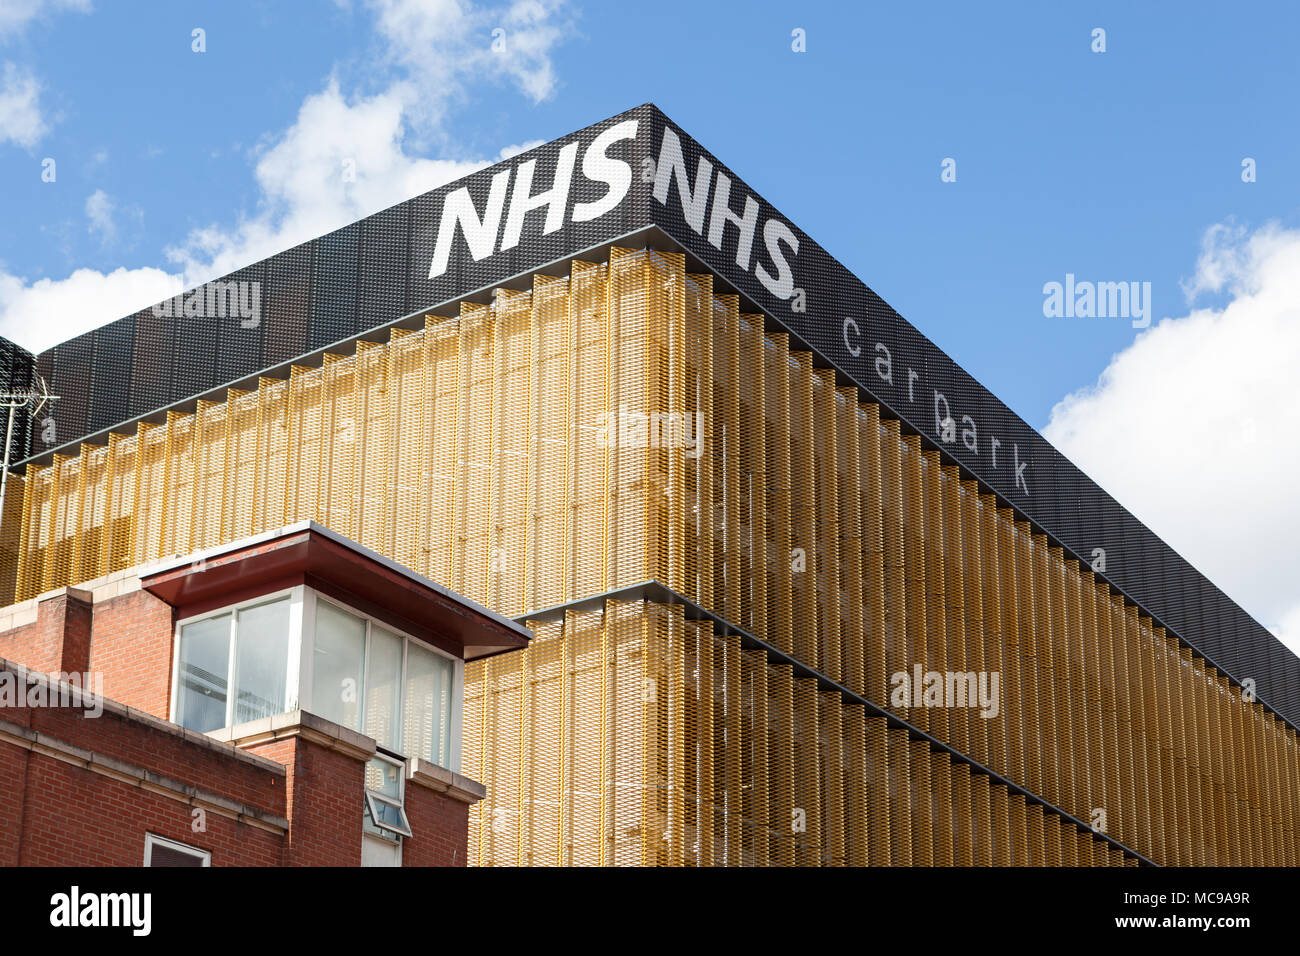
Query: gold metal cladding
x=627 y=422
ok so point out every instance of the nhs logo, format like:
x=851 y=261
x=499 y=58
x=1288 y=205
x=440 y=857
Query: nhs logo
x=482 y=231
x=711 y=204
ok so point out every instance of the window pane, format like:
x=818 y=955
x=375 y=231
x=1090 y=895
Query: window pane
x=427 y=706
x=261 y=660
x=338 y=665
x=205 y=660
x=160 y=854
x=384 y=687
x=384 y=777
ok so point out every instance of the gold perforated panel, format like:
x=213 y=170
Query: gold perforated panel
x=627 y=422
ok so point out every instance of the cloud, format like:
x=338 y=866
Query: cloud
x=46 y=312
x=339 y=161
x=16 y=14
x=345 y=156
x=1193 y=427
x=440 y=44
x=21 y=121
x=99 y=210
x=1287 y=630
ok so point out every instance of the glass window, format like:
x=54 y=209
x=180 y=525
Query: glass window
x=385 y=813
x=383 y=684
x=427 y=706
x=384 y=688
x=258 y=638
x=204 y=672
x=262 y=660
x=384 y=776
x=338 y=667
x=159 y=851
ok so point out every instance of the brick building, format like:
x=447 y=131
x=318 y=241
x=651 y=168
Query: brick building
x=287 y=699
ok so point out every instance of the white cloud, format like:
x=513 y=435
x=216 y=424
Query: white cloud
x=1287 y=629
x=1193 y=426
x=16 y=14
x=99 y=210
x=21 y=121
x=339 y=161
x=434 y=51
x=46 y=312
x=439 y=44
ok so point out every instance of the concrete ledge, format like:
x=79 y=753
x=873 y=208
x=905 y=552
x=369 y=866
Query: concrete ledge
x=19 y=615
x=77 y=697
x=29 y=612
x=134 y=776
x=458 y=787
x=92 y=592
x=81 y=594
x=299 y=723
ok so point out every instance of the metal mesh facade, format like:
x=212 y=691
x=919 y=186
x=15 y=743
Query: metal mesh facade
x=623 y=424
x=629 y=735
x=372 y=274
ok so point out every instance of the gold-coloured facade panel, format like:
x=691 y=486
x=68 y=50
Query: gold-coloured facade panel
x=627 y=423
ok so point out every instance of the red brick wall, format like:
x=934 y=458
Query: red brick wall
x=55 y=813
x=326 y=793
x=58 y=640
x=216 y=770
x=74 y=817
x=132 y=647
x=13 y=784
x=440 y=825
x=52 y=812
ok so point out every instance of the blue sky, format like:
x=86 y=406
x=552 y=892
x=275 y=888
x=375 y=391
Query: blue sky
x=173 y=166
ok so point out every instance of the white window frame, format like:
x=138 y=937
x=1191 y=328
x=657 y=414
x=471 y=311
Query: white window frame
x=152 y=839
x=455 y=712
x=388 y=830
x=293 y=667
x=299 y=668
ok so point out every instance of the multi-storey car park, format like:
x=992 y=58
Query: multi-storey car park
x=766 y=534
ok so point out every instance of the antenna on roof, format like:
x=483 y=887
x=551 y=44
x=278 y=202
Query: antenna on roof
x=32 y=400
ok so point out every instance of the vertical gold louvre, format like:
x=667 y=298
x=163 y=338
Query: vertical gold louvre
x=593 y=752
x=627 y=423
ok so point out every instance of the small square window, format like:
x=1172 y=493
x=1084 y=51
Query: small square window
x=385 y=783
x=159 y=851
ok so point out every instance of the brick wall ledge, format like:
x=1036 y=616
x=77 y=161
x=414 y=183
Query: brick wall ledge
x=454 y=785
x=132 y=775
x=91 y=592
x=299 y=723
x=75 y=696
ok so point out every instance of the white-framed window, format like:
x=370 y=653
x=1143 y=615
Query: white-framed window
x=297 y=648
x=385 y=797
x=160 y=851
x=384 y=683
x=238 y=663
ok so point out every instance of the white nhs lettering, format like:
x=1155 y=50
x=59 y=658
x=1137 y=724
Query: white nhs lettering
x=707 y=195
x=481 y=232
x=693 y=200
